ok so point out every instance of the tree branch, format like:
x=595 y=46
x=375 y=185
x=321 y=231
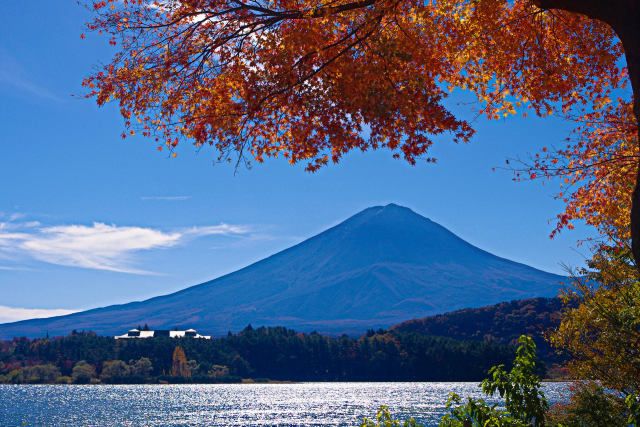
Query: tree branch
x=594 y=9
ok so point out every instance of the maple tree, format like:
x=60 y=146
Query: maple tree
x=598 y=168
x=601 y=333
x=311 y=80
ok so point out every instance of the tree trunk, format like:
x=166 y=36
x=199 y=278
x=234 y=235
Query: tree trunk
x=624 y=17
x=626 y=24
x=629 y=32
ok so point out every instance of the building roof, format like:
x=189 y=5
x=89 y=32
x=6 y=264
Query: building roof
x=151 y=334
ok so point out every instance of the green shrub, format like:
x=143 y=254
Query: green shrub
x=82 y=372
x=383 y=419
x=64 y=380
x=525 y=403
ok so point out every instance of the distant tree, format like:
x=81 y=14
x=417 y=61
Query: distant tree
x=275 y=352
x=114 y=369
x=46 y=373
x=142 y=367
x=192 y=367
x=179 y=366
x=502 y=323
x=15 y=377
x=64 y=380
x=218 y=371
x=239 y=366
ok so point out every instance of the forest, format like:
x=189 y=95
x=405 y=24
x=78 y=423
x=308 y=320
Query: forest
x=260 y=354
x=502 y=323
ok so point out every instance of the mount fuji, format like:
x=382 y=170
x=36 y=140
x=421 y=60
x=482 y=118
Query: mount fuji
x=382 y=266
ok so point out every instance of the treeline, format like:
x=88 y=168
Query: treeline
x=273 y=353
x=501 y=323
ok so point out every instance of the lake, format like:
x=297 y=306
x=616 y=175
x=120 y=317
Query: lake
x=229 y=404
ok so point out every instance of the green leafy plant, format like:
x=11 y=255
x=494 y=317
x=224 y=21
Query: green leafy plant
x=633 y=403
x=383 y=419
x=525 y=403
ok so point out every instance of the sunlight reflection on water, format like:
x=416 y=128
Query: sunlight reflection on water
x=228 y=404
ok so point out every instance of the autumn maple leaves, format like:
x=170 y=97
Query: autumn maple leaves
x=310 y=81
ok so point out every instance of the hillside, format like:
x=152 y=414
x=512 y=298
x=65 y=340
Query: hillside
x=382 y=266
x=500 y=323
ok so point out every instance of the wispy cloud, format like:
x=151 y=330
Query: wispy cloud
x=209 y=230
x=12 y=74
x=14 y=314
x=166 y=198
x=15 y=216
x=17 y=225
x=98 y=246
x=12 y=268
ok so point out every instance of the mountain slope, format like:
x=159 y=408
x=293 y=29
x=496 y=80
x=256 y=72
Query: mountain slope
x=382 y=266
x=500 y=323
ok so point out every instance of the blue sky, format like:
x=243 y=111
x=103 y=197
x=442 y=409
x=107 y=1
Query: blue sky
x=88 y=219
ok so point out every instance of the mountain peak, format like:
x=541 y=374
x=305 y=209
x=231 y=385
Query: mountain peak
x=390 y=214
x=395 y=206
x=390 y=207
x=382 y=266
x=395 y=209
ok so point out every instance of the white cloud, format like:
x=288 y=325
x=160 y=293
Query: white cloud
x=15 y=225
x=13 y=314
x=99 y=246
x=9 y=239
x=209 y=230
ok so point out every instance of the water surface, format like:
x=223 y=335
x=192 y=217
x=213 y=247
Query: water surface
x=229 y=404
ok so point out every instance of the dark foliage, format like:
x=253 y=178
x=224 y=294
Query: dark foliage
x=276 y=353
x=501 y=323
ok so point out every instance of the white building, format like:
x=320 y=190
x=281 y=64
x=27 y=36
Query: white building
x=136 y=333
